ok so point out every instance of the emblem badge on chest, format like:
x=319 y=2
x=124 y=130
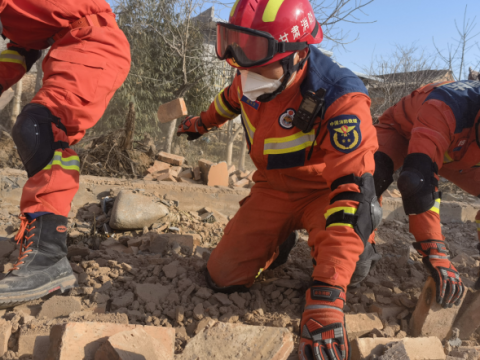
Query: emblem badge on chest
x=286 y=119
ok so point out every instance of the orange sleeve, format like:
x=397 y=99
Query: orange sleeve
x=226 y=106
x=12 y=66
x=351 y=140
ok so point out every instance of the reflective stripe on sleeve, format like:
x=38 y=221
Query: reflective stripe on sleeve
x=12 y=56
x=478 y=224
x=288 y=144
x=221 y=108
x=436 y=207
x=346 y=210
x=248 y=125
x=69 y=163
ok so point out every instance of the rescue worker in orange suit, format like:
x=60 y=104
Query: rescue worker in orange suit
x=315 y=174
x=88 y=60
x=433 y=131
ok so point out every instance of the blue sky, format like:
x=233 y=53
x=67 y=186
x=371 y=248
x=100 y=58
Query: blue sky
x=402 y=22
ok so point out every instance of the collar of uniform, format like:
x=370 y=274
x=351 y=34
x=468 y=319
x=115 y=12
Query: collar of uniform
x=294 y=87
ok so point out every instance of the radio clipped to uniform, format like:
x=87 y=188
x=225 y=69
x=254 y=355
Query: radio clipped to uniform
x=309 y=109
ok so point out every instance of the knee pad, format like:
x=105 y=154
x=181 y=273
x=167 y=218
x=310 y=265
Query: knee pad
x=369 y=213
x=33 y=136
x=417 y=183
x=383 y=175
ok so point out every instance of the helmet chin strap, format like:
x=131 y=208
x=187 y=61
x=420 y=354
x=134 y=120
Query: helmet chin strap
x=288 y=69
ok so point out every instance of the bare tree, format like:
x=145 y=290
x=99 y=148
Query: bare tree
x=454 y=56
x=243 y=154
x=39 y=77
x=399 y=74
x=16 y=105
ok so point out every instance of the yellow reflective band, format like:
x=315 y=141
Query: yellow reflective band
x=234 y=7
x=289 y=144
x=436 y=207
x=259 y=272
x=478 y=224
x=340 y=224
x=345 y=209
x=271 y=10
x=69 y=163
x=246 y=122
x=446 y=158
x=11 y=56
x=221 y=108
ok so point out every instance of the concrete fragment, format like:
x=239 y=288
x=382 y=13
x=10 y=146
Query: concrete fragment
x=361 y=324
x=166 y=175
x=197 y=174
x=133 y=344
x=33 y=341
x=468 y=319
x=172 y=159
x=198 y=313
x=385 y=311
x=171 y=269
x=238 y=300
x=186 y=174
x=155 y=293
x=134 y=211
x=5 y=332
x=429 y=318
x=395 y=351
x=234 y=341
x=58 y=306
x=159 y=243
x=222 y=299
x=123 y=301
x=213 y=174
x=79 y=341
x=423 y=348
x=172 y=110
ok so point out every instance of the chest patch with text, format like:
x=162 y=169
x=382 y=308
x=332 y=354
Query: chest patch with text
x=345 y=134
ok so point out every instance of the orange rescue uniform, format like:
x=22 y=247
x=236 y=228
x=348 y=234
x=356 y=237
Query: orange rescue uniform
x=82 y=71
x=440 y=120
x=292 y=191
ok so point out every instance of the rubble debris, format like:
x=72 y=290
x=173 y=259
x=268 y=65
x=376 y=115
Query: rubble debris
x=5 y=332
x=134 y=343
x=33 y=341
x=175 y=160
x=361 y=324
x=81 y=340
x=468 y=319
x=213 y=174
x=395 y=351
x=239 y=342
x=422 y=348
x=134 y=211
x=58 y=306
x=429 y=318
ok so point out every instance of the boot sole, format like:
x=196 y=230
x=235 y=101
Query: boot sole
x=20 y=297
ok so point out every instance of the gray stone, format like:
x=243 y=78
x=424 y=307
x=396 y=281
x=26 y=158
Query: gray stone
x=155 y=293
x=123 y=301
x=59 y=306
x=134 y=211
x=170 y=270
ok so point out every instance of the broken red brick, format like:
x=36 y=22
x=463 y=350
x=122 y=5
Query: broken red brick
x=213 y=174
x=172 y=110
x=468 y=319
x=78 y=341
x=158 y=166
x=429 y=318
x=175 y=160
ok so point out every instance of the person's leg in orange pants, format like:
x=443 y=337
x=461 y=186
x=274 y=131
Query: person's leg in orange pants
x=250 y=240
x=82 y=71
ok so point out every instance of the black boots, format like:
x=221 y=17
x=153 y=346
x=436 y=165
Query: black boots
x=42 y=266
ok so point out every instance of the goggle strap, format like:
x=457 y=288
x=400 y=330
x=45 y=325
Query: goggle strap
x=287 y=47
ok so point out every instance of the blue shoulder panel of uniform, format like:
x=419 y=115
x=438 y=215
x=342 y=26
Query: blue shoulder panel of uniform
x=463 y=97
x=325 y=73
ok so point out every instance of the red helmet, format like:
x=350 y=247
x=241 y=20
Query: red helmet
x=287 y=21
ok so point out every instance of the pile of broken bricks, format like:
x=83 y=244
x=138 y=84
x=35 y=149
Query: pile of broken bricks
x=170 y=167
x=145 y=280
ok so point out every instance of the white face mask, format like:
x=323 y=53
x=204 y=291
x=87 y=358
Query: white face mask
x=255 y=85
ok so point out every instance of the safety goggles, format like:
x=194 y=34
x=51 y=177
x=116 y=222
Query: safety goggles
x=250 y=47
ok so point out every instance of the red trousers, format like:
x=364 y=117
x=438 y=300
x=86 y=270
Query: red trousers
x=430 y=135
x=82 y=71
x=264 y=221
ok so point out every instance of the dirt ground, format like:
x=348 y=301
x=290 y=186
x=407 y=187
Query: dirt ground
x=112 y=270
